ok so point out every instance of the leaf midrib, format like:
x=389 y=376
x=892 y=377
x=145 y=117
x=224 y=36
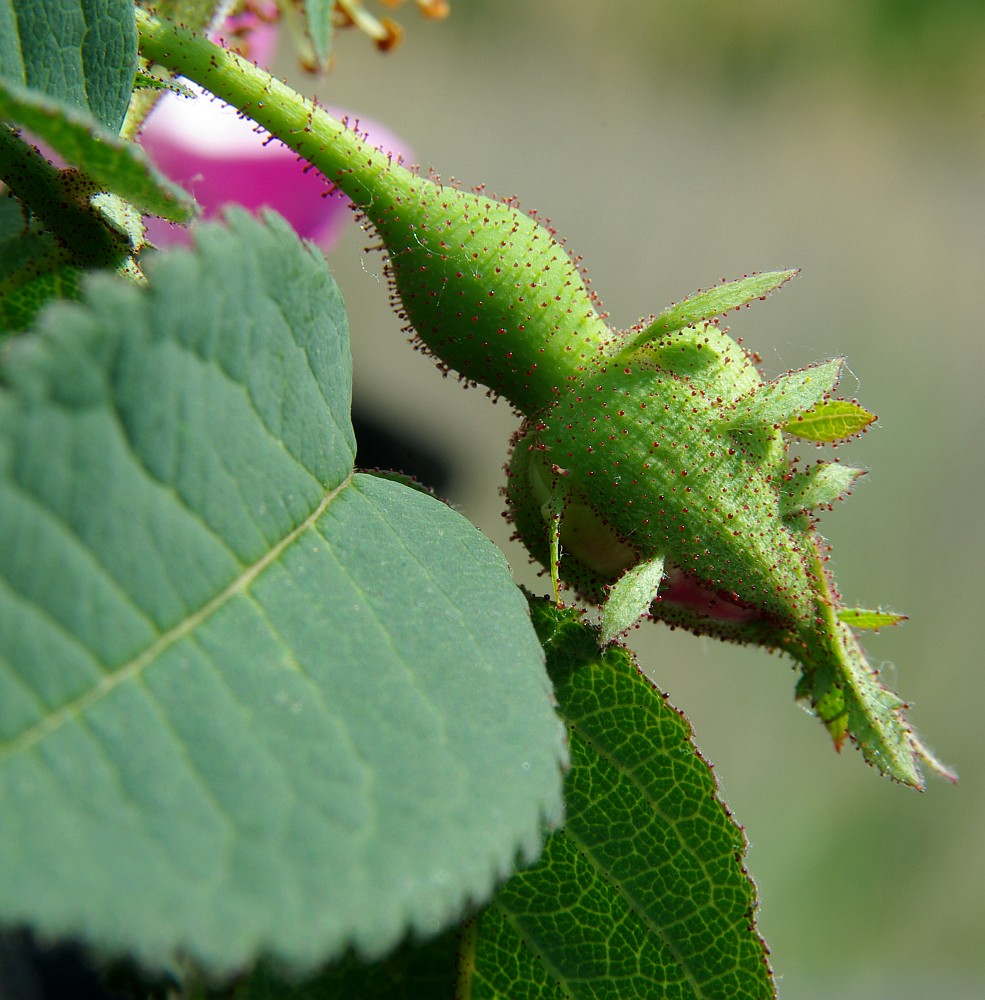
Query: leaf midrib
x=133 y=667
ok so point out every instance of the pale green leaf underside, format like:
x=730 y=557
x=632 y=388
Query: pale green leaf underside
x=249 y=702
x=643 y=892
x=82 y=53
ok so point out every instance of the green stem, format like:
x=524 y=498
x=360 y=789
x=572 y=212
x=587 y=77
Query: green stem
x=337 y=151
x=487 y=289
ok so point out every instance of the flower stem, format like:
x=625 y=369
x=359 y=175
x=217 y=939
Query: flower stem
x=336 y=150
x=488 y=290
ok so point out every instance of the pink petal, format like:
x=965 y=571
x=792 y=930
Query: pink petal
x=221 y=157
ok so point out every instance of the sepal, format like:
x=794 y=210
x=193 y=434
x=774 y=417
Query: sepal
x=708 y=304
x=865 y=618
x=846 y=693
x=830 y=420
x=818 y=486
x=779 y=401
x=630 y=598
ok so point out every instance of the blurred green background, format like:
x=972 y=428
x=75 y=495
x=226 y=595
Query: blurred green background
x=675 y=144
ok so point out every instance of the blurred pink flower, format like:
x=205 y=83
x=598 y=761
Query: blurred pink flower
x=221 y=157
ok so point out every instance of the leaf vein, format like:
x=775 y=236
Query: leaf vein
x=83 y=547
x=52 y=623
x=137 y=664
x=658 y=929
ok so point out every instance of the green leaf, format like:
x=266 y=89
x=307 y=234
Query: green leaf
x=830 y=420
x=33 y=268
x=414 y=971
x=848 y=695
x=705 y=305
x=865 y=618
x=630 y=597
x=318 y=28
x=249 y=701
x=112 y=163
x=82 y=53
x=643 y=892
x=776 y=402
x=46 y=276
x=818 y=486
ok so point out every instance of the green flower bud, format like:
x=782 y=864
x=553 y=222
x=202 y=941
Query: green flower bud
x=652 y=464
x=486 y=289
x=674 y=455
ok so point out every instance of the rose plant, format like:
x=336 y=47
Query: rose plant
x=263 y=715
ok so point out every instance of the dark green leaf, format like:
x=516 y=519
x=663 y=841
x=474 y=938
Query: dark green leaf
x=82 y=53
x=46 y=276
x=413 y=971
x=113 y=164
x=643 y=893
x=33 y=268
x=249 y=701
